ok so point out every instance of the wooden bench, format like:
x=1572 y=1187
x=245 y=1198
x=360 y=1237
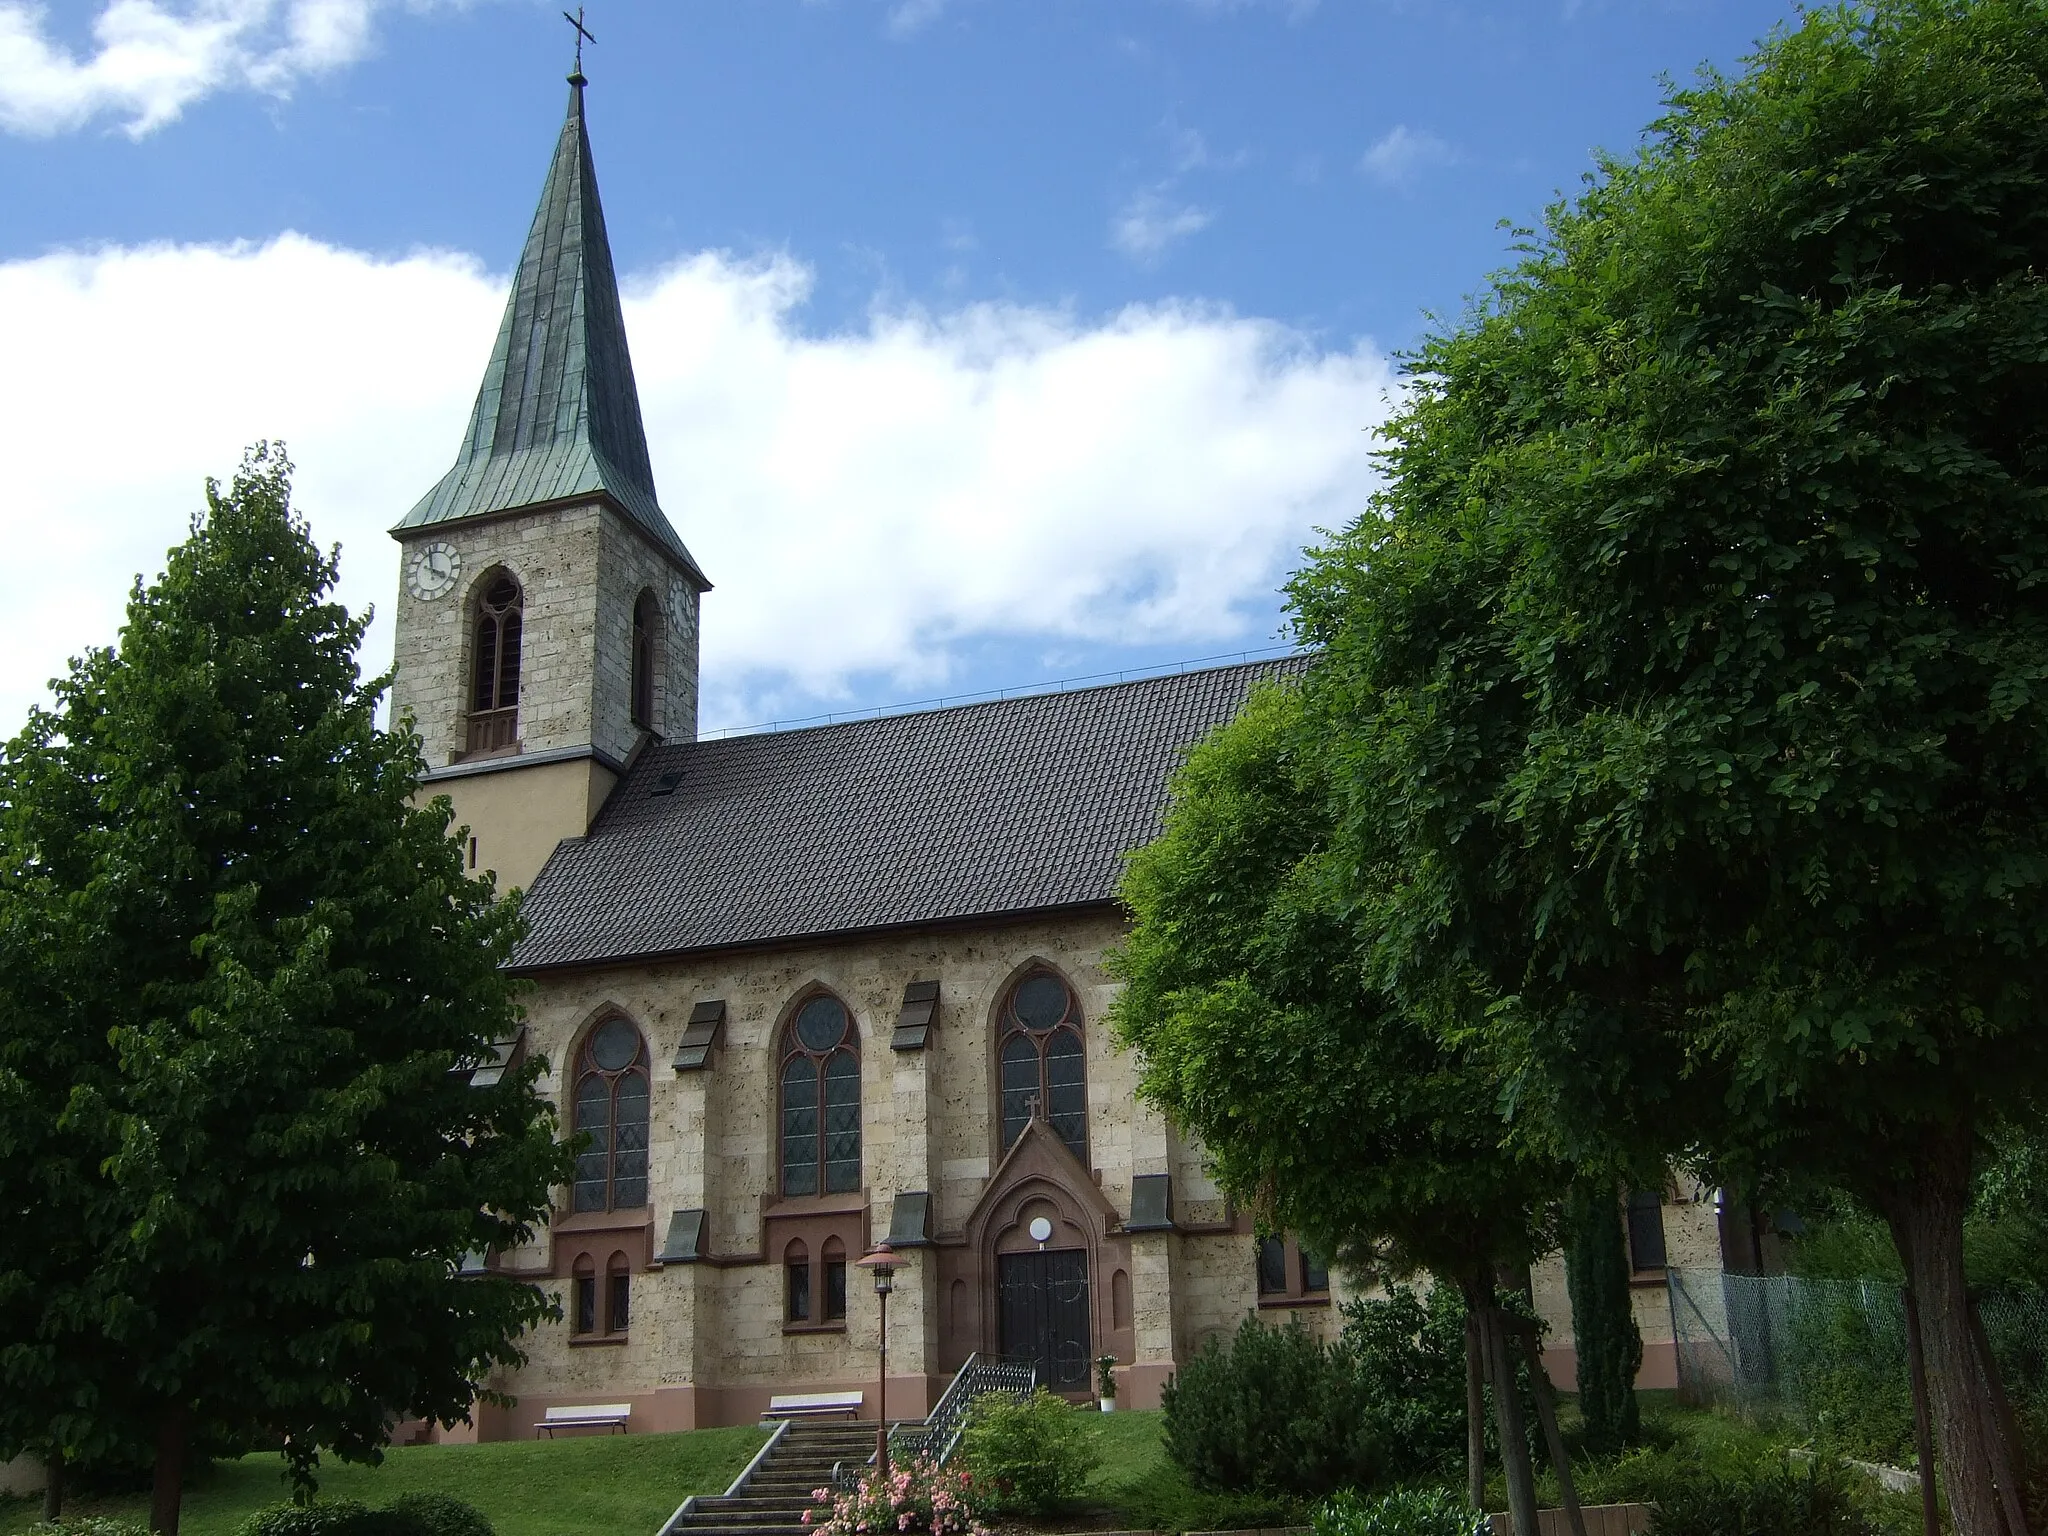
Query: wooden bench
x=814 y=1405
x=585 y=1416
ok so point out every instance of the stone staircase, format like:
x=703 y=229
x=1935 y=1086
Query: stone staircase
x=770 y=1497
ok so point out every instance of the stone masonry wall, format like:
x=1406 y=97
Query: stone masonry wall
x=929 y=1122
x=708 y=1341
x=553 y=555
x=580 y=569
x=629 y=565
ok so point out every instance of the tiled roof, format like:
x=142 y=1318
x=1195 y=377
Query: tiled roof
x=558 y=415
x=959 y=813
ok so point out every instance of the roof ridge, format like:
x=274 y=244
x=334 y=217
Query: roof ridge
x=1024 y=694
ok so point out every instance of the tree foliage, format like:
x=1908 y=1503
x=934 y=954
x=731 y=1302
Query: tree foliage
x=241 y=964
x=1693 y=662
x=1609 y=1345
x=1260 y=999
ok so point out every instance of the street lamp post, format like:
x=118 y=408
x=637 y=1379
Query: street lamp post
x=883 y=1262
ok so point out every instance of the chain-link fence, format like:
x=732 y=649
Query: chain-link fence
x=1832 y=1354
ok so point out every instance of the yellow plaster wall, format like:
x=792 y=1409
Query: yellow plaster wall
x=518 y=814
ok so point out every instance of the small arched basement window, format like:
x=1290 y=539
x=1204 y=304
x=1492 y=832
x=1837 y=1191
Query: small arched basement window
x=618 y=1286
x=796 y=1274
x=832 y=1261
x=1043 y=1061
x=611 y=1108
x=820 y=1100
x=583 y=1300
x=494 y=685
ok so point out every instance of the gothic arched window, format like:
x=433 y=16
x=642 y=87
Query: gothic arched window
x=820 y=1100
x=611 y=1107
x=1043 y=1061
x=494 y=689
x=646 y=625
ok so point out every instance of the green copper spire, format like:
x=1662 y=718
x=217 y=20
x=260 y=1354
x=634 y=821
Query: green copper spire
x=558 y=417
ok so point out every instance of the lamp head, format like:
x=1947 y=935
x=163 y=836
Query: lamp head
x=883 y=1262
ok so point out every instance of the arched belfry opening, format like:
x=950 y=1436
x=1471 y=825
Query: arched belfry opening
x=498 y=635
x=646 y=663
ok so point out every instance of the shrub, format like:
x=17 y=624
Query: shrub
x=1030 y=1454
x=1408 y=1354
x=1280 y=1412
x=1770 y=1499
x=917 y=1496
x=331 y=1517
x=88 y=1525
x=1408 y=1512
x=1271 y=1413
x=442 y=1514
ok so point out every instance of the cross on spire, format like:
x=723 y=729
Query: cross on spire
x=583 y=35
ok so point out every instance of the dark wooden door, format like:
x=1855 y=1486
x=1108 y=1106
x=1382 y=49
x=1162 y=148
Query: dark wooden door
x=1043 y=1307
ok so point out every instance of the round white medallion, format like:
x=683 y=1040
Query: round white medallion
x=433 y=570
x=1041 y=1229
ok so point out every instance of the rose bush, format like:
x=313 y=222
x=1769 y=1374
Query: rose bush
x=916 y=1496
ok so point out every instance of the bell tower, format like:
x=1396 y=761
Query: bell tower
x=547 y=616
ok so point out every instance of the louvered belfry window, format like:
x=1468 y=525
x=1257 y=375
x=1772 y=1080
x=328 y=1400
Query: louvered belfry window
x=611 y=1108
x=820 y=1100
x=1044 y=1062
x=494 y=690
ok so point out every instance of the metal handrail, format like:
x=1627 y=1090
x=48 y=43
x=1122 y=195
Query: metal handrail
x=939 y=1435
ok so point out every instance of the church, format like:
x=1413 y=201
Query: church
x=812 y=990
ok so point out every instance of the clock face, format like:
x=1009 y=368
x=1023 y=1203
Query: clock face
x=682 y=607
x=433 y=570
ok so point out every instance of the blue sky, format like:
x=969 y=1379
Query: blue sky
x=985 y=341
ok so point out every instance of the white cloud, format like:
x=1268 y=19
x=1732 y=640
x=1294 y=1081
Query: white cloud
x=871 y=503
x=151 y=59
x=1399 y=154
x=909 y=17
x=1152 y=221
x=1293 y=10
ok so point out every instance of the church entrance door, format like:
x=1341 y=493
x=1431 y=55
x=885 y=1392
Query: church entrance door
x=1044 y=1314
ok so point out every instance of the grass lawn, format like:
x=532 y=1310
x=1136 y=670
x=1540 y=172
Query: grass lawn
x=1136 y=1488
x=594 y=1485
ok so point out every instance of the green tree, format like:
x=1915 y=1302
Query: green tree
x=263 y=966
x=1609 y=1345
x=1256 y=1003
x=1695 y=657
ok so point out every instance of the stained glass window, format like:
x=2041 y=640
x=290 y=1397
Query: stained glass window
x=821 y=1100
x=1043 y=1062
x=611 y=1109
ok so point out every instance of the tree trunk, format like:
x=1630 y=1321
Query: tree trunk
x=2008 y=1468
x=167 y=1492
x=1926 y=1220
x=1546 y=1412
x=1923 y=1423
x=53 y=1487
x=1512 y=1429
x=1475 y=1412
